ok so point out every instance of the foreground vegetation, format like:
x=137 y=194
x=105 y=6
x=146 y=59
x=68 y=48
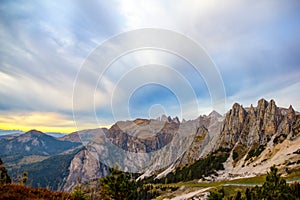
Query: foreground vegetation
x=15 y=191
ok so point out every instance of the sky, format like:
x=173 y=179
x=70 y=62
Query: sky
x=44 y=46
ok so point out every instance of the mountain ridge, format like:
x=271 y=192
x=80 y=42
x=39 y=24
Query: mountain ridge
x=254 y=137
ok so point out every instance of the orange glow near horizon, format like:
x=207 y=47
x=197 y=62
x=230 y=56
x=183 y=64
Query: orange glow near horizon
x=45 y=122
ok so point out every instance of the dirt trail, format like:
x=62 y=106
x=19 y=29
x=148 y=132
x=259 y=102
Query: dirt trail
x=191 y=194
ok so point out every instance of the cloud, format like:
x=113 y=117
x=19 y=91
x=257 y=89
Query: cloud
x=44 y=44
x=37 y=120
x=252 y=44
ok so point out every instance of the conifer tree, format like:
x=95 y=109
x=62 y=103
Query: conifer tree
x=118 y=185
x=4 y=177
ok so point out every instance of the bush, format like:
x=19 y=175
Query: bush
x=255 y=152
x=235 y=155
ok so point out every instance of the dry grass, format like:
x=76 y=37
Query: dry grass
x=20 y=192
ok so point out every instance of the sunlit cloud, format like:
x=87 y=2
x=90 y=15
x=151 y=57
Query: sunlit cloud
x=48 y=122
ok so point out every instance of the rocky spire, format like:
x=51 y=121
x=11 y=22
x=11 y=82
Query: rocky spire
x=272 y=118
x=260 y=111
x=291 y=113
x=251 y=110
x=233 y=125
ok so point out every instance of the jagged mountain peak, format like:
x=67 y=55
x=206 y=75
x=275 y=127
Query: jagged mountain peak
x=214 y=114
x=291 y=112
x=262 y=104
x=252 y=110
x=236 y=105
x=291 y=109
x=176 y=120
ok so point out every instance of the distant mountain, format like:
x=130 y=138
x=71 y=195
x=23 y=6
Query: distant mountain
x=45 y=158
x=34 y=143
x=55 y=134
x=83 y=135
x=10 y=136
x=9 y=132
x=5 y=133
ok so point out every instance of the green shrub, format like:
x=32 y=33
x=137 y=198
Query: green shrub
x=235 y=155
x=255 y=152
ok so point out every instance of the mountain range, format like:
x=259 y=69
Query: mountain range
x=250 y=139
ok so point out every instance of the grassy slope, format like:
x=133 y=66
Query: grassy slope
x=230 y=186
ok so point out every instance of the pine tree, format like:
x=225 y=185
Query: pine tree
x=248 y=194
x=275 y=187
x=4 y=177
x=118 y=185
x=78 y=192
x=238 y=196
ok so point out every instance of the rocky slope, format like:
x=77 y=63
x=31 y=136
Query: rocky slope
x=260 y=137
x=84 y=167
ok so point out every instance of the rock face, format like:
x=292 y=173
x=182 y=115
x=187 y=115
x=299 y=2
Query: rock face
x=249 y=131
x=143 y=135
x=86 y=167
x=255 y=126
x=193 y=152
x=233 y=126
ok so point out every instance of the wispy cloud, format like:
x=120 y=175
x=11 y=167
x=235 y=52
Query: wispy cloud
x=255 y=46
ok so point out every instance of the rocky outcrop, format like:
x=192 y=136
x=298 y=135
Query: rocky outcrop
x=84 y=167
x=232 y=126
x=193 y=152
x=143 y=135
x=246 y=130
